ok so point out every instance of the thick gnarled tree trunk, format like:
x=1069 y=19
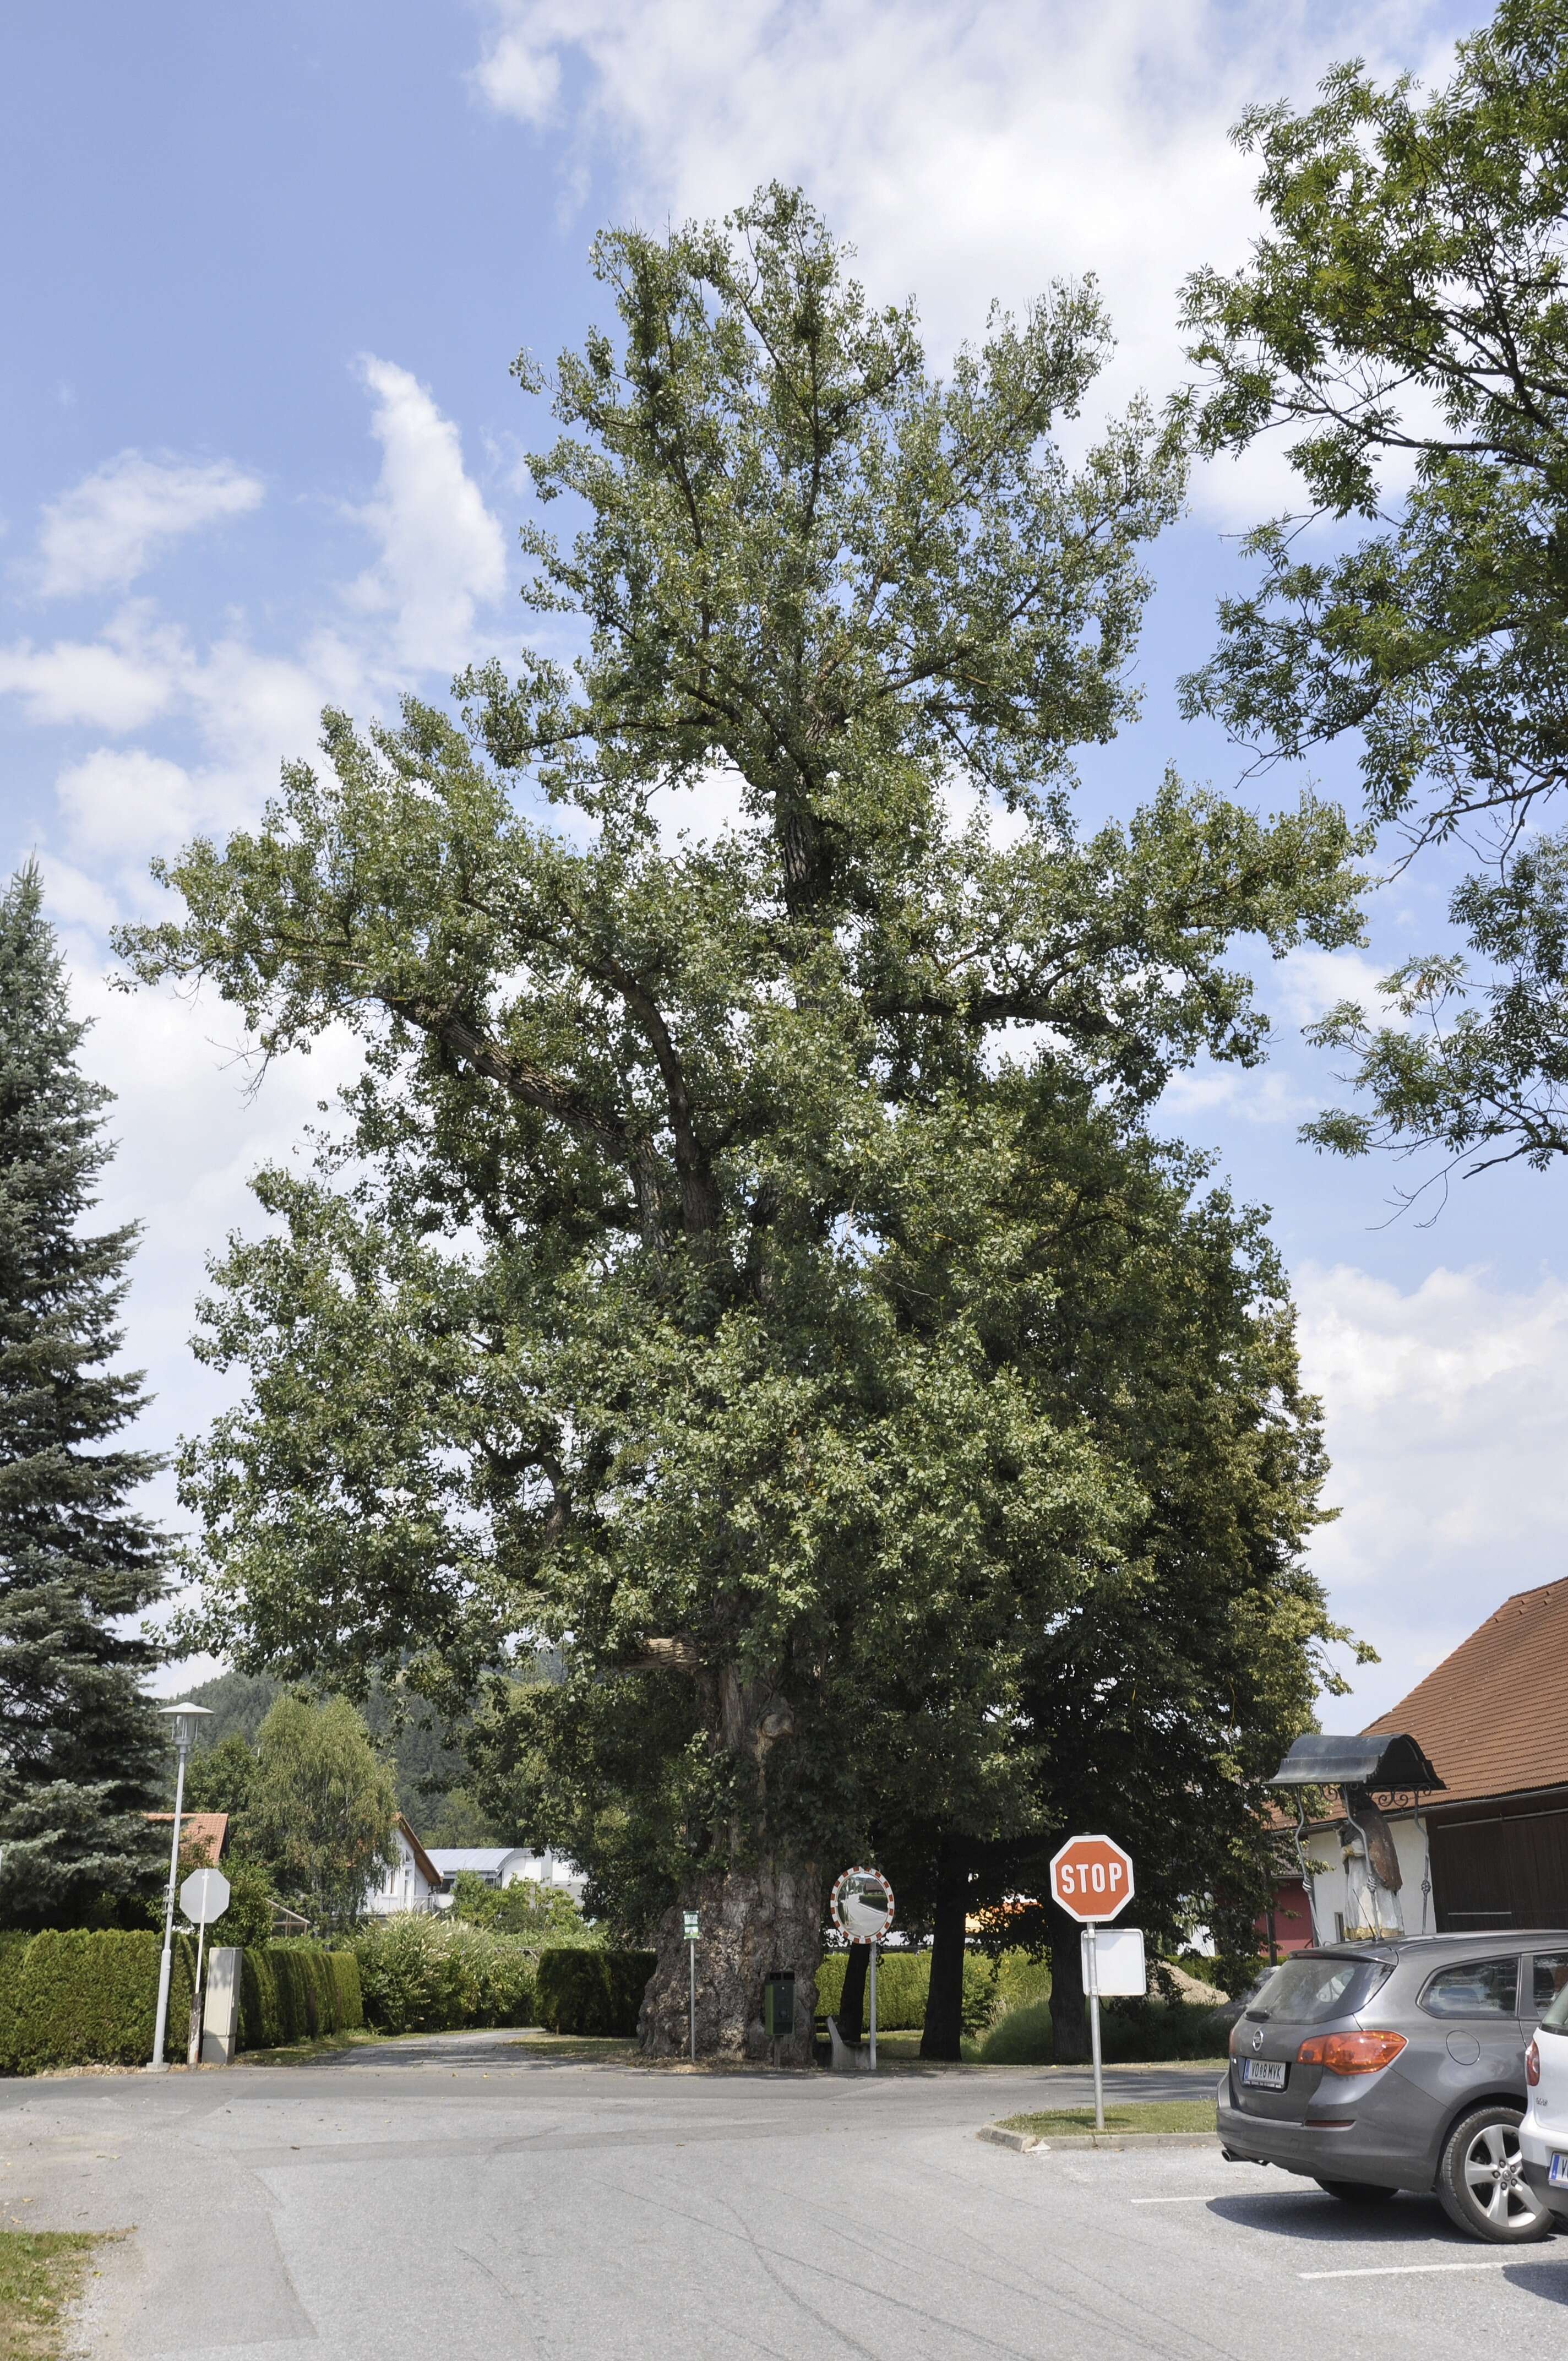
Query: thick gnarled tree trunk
x=756 y=1919
x=942 y=2036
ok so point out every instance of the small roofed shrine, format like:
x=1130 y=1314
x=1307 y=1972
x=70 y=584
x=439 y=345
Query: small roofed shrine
x=1364 y=1898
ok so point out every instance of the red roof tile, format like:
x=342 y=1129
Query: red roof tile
x=1492 y=1716
x=201 y=1834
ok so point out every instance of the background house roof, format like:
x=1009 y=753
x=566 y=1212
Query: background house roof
x=202 y=1835
x=1494 y=1715
x=449 y=1860
x=422 y=1861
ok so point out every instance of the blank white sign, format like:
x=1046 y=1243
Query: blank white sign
x=1119 y=1961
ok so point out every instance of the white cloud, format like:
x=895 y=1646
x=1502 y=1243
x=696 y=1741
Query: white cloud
x=1245 y=1094
x=442 y=552
x=122 y=803
x=1309 y=981
x=109 y=528
x=968 y=151
x=120 y=681
x=1447 y=1422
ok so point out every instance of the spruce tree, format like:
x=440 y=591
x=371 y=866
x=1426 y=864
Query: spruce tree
x=81 y=1753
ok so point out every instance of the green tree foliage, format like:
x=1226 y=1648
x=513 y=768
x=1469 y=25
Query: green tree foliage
x=540 y=1914
x=428 y=1766
x=219 y=1779
x=81 y=1750
x=248 y=1918
x=320 y=1807
x=688 y=1295
x=1408 y=312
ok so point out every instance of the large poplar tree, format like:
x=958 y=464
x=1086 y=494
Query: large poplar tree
x=81 y=1752
x=661 y=1304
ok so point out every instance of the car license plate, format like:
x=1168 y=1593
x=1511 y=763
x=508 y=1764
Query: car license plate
x=1558 y=2176
x=1264 y=2074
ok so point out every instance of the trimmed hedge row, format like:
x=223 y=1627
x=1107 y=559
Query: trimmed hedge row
x=294 y=1990
x=422 y=1973
x=1132 y=2032
x=89 y=1997
x=904 y=1980
x=593 y=1992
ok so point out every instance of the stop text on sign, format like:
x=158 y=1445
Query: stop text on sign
x=1091 y=1877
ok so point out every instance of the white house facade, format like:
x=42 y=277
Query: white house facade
x=504 y=1865
x=413 y=1881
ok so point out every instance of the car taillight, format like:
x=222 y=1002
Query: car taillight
x=1532 y=2065
x=1350 y=2053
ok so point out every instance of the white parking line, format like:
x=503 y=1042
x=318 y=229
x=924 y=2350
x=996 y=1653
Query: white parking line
x=1409 y=2270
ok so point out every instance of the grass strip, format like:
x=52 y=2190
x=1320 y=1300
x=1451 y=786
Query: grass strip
x=41 y=2275
x=1132 y=2115
x=576 y=2045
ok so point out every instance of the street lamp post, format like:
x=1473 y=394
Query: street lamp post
x=187 y=1719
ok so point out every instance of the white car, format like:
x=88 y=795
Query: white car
x=1543 y=2134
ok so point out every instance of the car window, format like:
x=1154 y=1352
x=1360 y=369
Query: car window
x=1549 y=1978
x=1478 y=1988
x=1308 y=1991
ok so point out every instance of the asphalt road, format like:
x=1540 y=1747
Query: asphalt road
x=468 y=2199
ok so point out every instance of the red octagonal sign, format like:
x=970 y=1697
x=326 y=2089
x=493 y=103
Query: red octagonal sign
x=1091 y=1877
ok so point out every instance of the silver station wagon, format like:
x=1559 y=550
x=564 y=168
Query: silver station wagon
x=1398 y=2064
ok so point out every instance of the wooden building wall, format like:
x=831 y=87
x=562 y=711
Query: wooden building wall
x=1501 y=1863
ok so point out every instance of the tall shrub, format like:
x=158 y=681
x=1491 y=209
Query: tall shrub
x=425 y=1975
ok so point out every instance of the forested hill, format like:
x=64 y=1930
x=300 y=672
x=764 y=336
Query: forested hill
x=428 y=1774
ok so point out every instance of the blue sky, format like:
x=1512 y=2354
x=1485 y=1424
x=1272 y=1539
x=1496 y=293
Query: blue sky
x=261 y=449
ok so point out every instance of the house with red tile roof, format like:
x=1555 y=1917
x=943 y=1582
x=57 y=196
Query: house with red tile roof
x=202 y=1835
x=1489 y=1849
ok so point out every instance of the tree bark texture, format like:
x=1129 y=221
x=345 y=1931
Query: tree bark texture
x=942 y=2036
x=851 y=2012
x=1070 y=2021
x=756 y=1918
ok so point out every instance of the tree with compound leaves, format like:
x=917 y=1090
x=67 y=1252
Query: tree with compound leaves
x=653 y=1308
x=1406 y=318
x=82 y=1754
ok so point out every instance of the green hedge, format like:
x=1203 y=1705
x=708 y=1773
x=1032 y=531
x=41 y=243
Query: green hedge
x=581 y=1990
x=902 y=1981
x=1132 y=2032
x=424 y=1973
x=295 y=1991
x=89 y=1997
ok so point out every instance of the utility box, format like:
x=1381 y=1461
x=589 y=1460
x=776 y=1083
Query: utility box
x=220 y=2010
x=778 y=2007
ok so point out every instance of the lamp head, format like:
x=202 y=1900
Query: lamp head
x=187 y=1719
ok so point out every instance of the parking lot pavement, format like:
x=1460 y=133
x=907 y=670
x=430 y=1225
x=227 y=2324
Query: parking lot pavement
x=552 y=2211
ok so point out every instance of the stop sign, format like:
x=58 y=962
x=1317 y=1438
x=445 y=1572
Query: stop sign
x=1091 y=1877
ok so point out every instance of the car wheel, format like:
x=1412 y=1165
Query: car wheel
x=1481 y=2182
x=1356 y=2193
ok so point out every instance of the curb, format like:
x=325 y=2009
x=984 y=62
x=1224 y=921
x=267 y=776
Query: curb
x=1027 y=2143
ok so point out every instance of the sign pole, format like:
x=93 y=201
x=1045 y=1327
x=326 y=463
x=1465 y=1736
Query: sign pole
x=160 y=2064
x=872 y=1980
x=1092 y=1930
x=193 y=2053
x=692 y=1925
